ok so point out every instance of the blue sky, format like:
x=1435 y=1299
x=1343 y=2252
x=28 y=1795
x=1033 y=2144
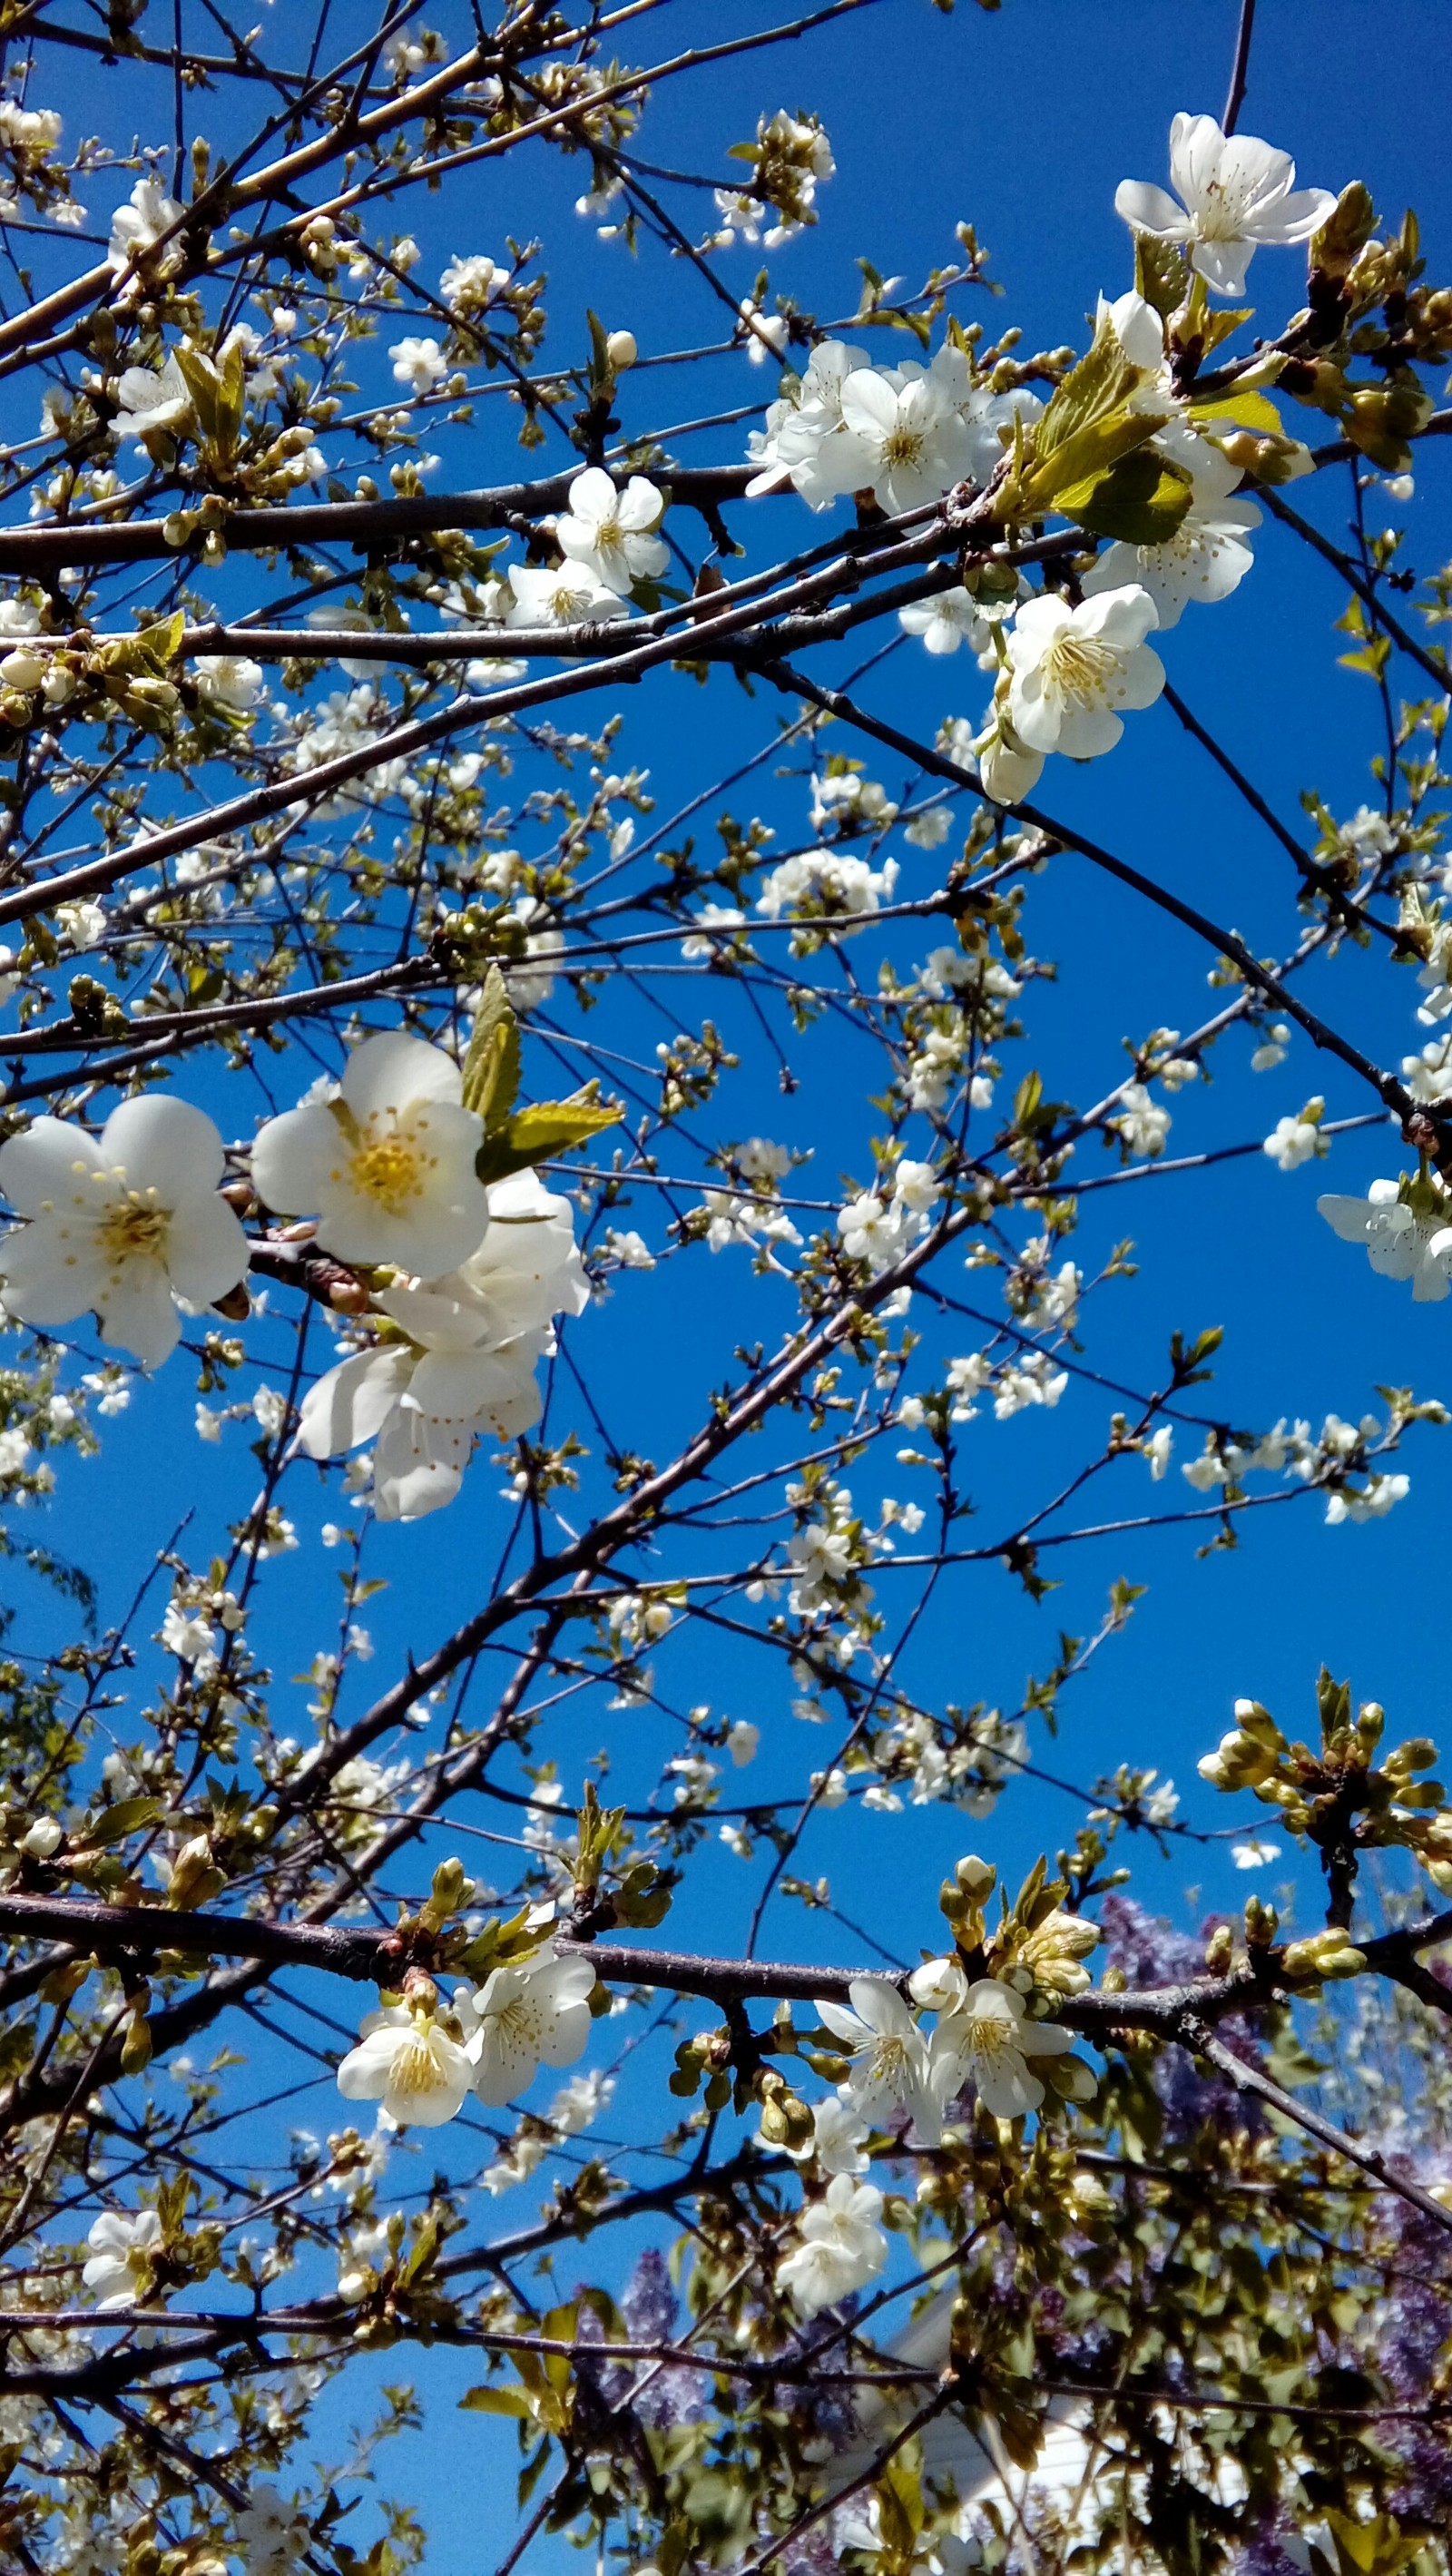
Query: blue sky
x=1022 y=123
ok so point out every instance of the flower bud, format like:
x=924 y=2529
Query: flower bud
x=621 y=350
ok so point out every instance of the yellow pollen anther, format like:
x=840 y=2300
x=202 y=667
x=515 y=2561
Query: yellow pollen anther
x=134 y=1229
x=390 y=1168
x=1081 y=667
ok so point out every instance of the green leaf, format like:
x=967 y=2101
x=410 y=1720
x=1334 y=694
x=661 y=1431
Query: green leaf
x=1089 y=423
x=1140 y=499
x=495 y=2401
x=126 y=1817
x=1240 y=411
x=491 y=1067
x=545 y=1129
x=1091 y=393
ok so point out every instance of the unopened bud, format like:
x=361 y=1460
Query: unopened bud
x=621 y=350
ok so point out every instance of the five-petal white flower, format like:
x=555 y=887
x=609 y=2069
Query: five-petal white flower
x=893 y=2071
x=1073 y=669
x=1401 y=1242
x=388 y=1166
x=536 y=2014
x=572 y=594
x=904 y=440
x=124 y=1223
x=1235 y=194
x=841 y=2246
x=467 y=1366
x=992 y=2039
x=952 y=618
x=122 y=2250
x=611 y=533
x=406 y=2060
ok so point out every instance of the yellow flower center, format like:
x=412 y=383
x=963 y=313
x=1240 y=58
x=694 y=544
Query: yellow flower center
x=991 y=2038
x=390 y=1165
x=134 y=1229
x=1080 y=666
x=416 y=2068
x=902 y=446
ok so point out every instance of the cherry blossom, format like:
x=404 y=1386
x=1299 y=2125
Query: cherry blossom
x=407 y=2059
x=419 y=365
x=903 y=439
x=993 y=2040
x=535 y=2014
x=952 y=618
x=611 y=534
x=1072 y=669
x=1236 y=193
x=465 y=1360
x=467 y=285
x=571 y=595
x=122 y=2254
x=841 y=2247
x=1404 y=1240
x=124 y=1224
x=140 y=223
x=893 y=2072
x=151 y=400
x=387 y=1166
x=1298 y=1140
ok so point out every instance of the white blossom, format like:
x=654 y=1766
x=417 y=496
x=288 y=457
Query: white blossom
x=1298 y=1140
x=152 y=401
x=231 y=681
x=532 y=2015
x=123 y=1224
x=474 y=1337
x=271 y=2535
x=1206 y=558
x=1141 y=1121
x=741 y=1742
x=83 y=922
x=950 y=618
x=419 y=365
x=1073 y=669
x=122 y=2252
x=839 y=2136
x=1370 y=1502
x=1235 y=194
x=713 y=918
x=387 y=1166
x=571 y=595
x=1256 y=1855
x=993 y=2040
x=407 y=2060
x=140 y=223
x=840 y=2246
x=468 y=285
x=892 y=2073
x=902 y=438
x=1402 y=1241
x=1030 y=1379
x=1428 y=1076
x=610 y=534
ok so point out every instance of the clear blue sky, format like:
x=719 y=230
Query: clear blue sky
x=1021 y=123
